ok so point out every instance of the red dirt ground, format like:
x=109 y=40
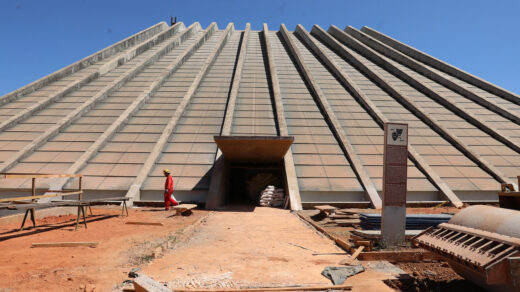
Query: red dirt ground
x=121 y=248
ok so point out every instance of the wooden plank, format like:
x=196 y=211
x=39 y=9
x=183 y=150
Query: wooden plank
x=185 y=206
x=325 y=208
x=37 y=175
x=65 y=244
x=351 y=259
x=145 y=223
x=49 y=195
x=144 y=283
x=416 y=255
x=347 y=222
x=288 y=288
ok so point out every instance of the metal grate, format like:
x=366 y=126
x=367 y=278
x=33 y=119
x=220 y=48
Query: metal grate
x=472 y=247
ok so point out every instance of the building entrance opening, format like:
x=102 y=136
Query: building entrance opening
x=247 y=167
x=246 y=182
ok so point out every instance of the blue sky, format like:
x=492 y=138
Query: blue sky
x=40 y=37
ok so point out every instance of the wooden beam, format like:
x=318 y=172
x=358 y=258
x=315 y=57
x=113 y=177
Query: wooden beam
x=353 y=257
x=287 y=288
x=290 y=171
x=145 y=223
x=65 y=244
x=83 y=108
x=372 y=109
x=144 y=283
x=329 y=115
x=135 y=189
x=442 y=66
x=47 y=195
x=140 y=100
x=37 y=175
x=216 y=189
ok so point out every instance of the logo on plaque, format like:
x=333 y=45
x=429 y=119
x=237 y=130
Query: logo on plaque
x=397 y=134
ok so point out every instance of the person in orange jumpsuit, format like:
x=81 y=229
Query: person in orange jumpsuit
x=168 y=191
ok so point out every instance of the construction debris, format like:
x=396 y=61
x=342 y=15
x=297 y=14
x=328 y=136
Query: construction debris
x=144 y=283
x=65 y=244
x=413 y=221
x=184 y=209
x=271 y=197
x=338 y=275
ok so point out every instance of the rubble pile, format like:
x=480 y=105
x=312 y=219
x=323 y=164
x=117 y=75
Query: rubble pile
x=272 y=197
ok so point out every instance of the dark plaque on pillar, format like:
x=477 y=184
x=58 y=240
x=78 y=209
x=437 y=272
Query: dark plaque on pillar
x=394 y=184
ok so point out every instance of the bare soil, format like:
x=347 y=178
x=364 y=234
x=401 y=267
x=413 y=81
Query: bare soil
x=104 y=268
x=431 y=277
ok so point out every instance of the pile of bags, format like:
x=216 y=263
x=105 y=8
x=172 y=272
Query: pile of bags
x=272 y=197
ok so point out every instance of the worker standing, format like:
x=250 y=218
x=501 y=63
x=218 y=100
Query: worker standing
x=168 y=191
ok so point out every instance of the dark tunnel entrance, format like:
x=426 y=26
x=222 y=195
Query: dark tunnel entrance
x=248 y=165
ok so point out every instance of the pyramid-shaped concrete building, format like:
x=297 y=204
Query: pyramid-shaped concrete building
x=229 y=111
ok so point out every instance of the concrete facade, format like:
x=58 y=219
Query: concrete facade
x=158 y=98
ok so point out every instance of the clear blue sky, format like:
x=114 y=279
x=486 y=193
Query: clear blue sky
x=40 y=37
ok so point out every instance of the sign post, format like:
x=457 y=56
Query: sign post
x=393 y=218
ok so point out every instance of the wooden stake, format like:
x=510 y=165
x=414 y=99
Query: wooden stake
x=353 y=257
x=65 y=244
x=145 y=223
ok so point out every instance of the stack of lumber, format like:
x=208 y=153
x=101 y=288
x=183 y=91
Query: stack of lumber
x=413 y=221
x=271 y=197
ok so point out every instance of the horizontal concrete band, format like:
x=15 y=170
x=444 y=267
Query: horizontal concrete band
x=109 y=51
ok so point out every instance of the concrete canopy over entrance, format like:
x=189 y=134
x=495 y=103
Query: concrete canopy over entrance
x=254 y=149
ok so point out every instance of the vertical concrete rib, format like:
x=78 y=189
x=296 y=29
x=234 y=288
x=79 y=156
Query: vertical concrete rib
x=135 y=189
x=230 y=110
x=139 y=101
x=329 y=115
x=379 y=117
x=115 y=62
x=292 y=182
x=442 y=66
x=420 y=68
x=86 y=106
x=216 y=188
x=424 y=88
x=409 y=103
x=85 y=62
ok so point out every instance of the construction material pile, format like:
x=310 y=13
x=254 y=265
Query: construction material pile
x=271 y=197
x=413 y=221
